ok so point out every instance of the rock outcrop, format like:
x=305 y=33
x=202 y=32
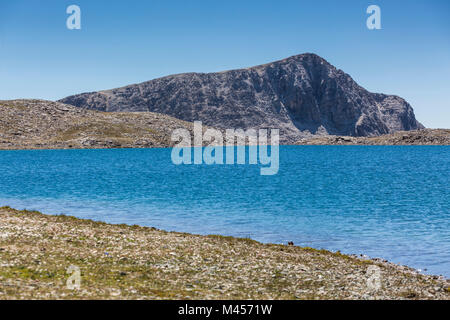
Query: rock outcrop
x=302 y=95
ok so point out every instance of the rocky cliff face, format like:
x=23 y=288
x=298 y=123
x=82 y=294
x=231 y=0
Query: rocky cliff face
x=302 y=95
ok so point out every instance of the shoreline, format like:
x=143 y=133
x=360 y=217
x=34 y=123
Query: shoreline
x=424 y=137
x=39 y=124
x=134 y=262
x=309 y=144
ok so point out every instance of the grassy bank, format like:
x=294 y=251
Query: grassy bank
x=132 y=262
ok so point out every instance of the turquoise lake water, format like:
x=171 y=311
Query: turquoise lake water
x=387 y=202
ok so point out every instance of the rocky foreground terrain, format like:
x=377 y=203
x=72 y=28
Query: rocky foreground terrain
x=132 y=262
x=302 y=95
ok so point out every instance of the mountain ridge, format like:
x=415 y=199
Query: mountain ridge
x=302 y=95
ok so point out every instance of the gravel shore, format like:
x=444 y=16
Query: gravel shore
x=133 y=262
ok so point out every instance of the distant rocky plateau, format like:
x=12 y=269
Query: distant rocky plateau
x=303 y=96
x=41 y=124
x=399 y=138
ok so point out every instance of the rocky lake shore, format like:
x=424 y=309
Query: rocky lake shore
x=430 y=137
x=133 y=262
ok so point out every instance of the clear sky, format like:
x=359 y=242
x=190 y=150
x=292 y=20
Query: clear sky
x=125 y=42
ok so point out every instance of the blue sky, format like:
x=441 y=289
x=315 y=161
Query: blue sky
x=124 y=42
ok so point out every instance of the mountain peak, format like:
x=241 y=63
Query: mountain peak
x=302 y=95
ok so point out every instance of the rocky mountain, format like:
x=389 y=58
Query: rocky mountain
x=302 y=95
